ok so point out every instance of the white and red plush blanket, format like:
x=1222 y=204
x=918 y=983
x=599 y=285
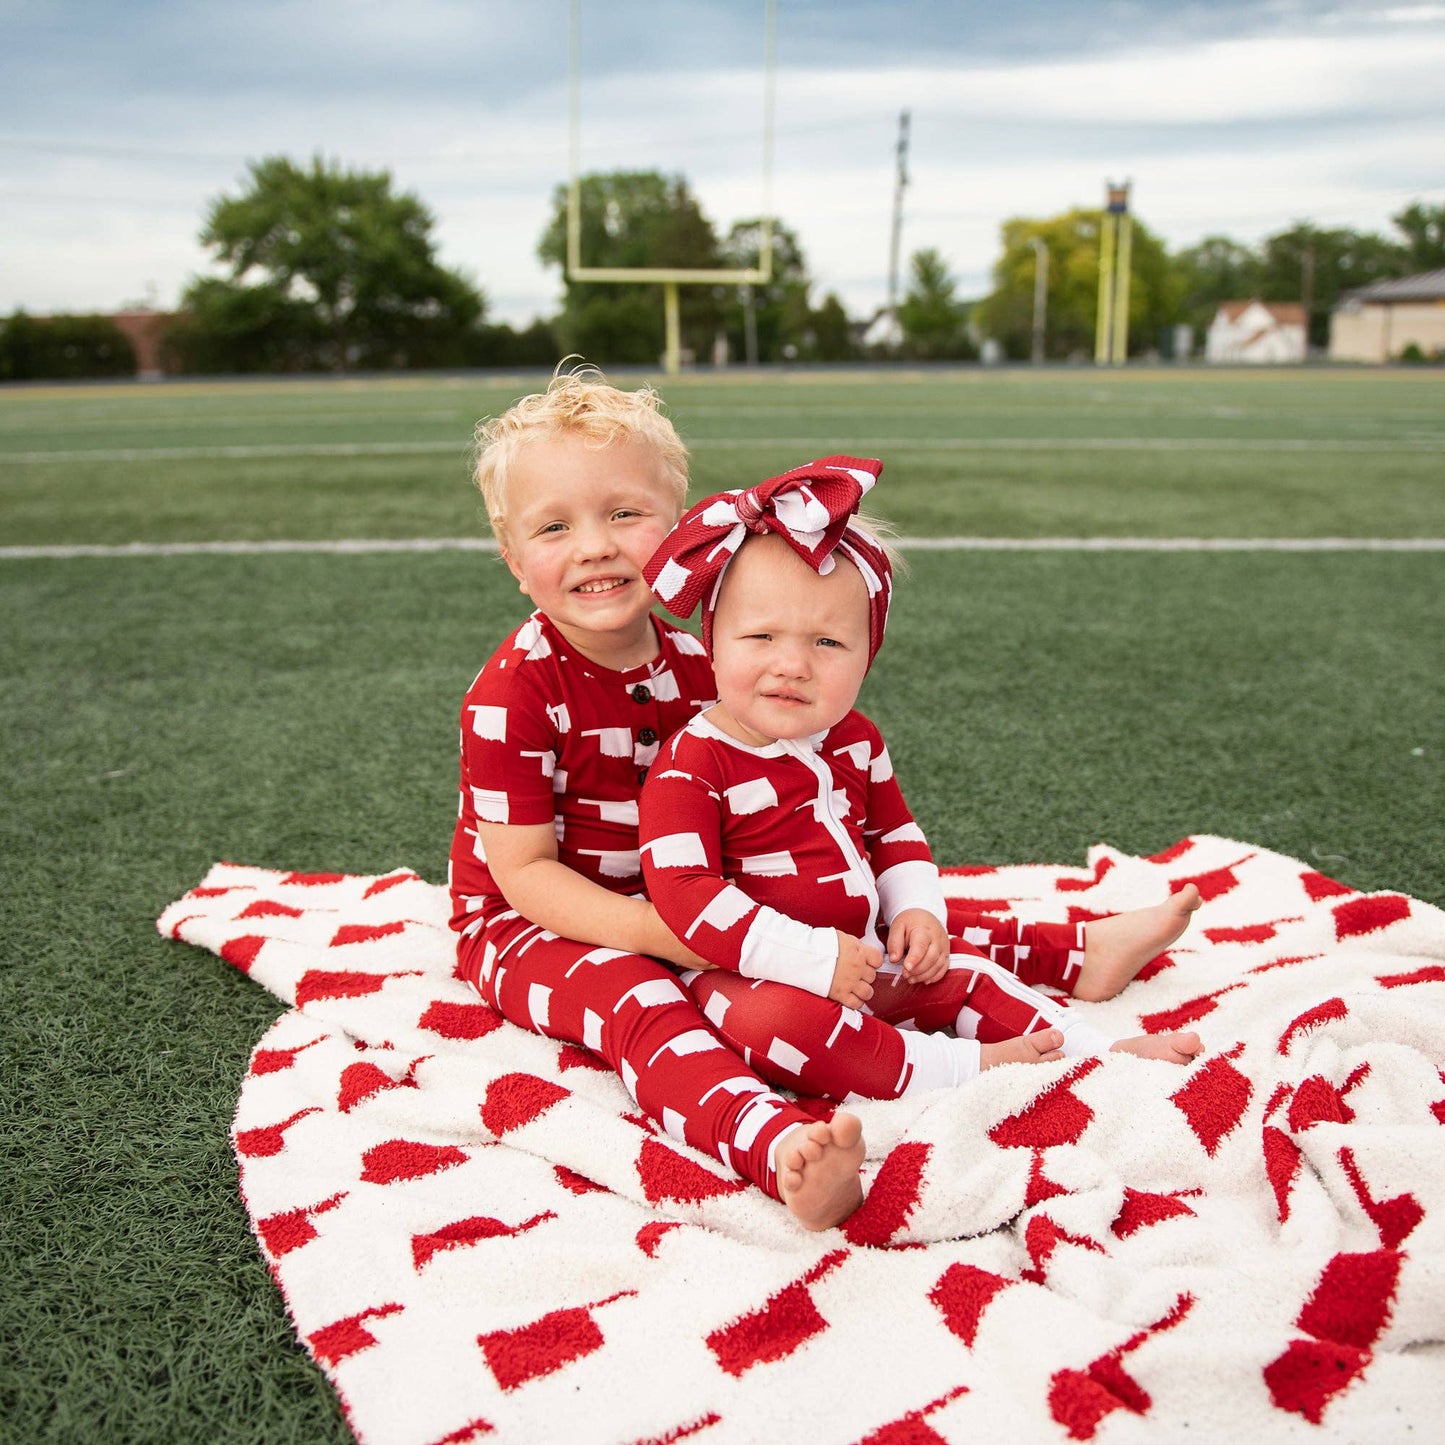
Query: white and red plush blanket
x=480 y=1239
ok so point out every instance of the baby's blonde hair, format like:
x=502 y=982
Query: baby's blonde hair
x=582 y=403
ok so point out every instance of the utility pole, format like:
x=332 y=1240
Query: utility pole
x=898 y=187
x=1307 y=288
x=1041 y=296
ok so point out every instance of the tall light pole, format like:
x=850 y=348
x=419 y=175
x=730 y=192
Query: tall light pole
x=1041 y=296
x=900 y=182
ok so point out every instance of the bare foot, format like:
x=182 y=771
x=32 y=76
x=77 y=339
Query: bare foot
x=1172 y=1048
x=1037 y=1048
x=1116 y=948
x=818 y=1167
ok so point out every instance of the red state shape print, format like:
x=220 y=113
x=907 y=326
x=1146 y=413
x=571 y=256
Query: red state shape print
x=1317 y=1101
x=363 y=933
x=360 y=1082
x=572 y=1056
x=1188 y=1012
x=1042 y=1236
x=1172 y=853
x=268 y=908
x=545 y=1345
x=788 y=1320
x=465 y=1434
x=1078 y=885
x=313 y=880
x=1214 y=1100
x=270 y=1139
x=893 y=1197
x=666 y=1174
x=1431 y=973
x=1281 y=1166
x=241 y=952
x=1332 y=1010
x=1040 y=1187
x=684 y=1431
x=398 y=1160
x=1155 y=966
x=1249 y=933
x=390 y=881
x=1142 y=1208
x=273 y=1061
x=1319 y=887
x=1395 y=1218
x=1057 y=1116
x=650 y=1235
x=913 y=1428
x=1213 y=884
x=281 y=1233
x=459 y=1020
x=1369 y=914
x=1345 y=1315
x=468 y=1231
x=319 y=983
x=335 y=1342
x=577 y=1183
x=516 y=1099
x=962 y=1294
x=1080 y=1400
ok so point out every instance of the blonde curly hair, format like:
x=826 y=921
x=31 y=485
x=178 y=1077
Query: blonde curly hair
x=581 y=403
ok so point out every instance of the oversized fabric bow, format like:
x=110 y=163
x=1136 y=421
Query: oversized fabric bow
x=812 y=508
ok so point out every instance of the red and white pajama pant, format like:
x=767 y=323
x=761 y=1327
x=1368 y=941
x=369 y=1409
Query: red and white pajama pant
x=634 y=1013
x=909 y=1037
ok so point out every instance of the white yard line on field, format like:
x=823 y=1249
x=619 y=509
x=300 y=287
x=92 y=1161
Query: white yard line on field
x=354 y=546
x=874 y=444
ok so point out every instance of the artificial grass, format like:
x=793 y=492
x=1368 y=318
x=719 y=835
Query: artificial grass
x=299 y=712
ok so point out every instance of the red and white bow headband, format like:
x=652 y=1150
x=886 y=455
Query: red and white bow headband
x=811 y=508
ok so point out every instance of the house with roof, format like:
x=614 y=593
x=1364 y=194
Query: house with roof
x=1379 y=322
x=1256 y=331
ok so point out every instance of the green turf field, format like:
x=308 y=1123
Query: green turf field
x=298 y=710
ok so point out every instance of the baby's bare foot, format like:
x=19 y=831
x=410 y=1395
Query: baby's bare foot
x=1038 y=1048
x=817 y=1167
x=1173 y=1048
x=1116 y=948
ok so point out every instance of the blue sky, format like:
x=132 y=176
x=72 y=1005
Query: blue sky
x=119 y=122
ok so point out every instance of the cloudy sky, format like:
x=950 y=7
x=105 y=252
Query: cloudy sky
x=121 y=119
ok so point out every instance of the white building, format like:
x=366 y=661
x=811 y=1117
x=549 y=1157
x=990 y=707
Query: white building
x=1377 y=323
x=1256 y=331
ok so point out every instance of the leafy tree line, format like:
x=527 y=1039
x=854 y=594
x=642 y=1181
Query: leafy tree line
x=322 y=268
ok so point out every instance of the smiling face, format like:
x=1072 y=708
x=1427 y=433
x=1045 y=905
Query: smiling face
x=582 y=521
x=790 y=648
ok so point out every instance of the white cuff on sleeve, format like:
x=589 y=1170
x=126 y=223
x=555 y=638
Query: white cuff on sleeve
x=911 y=884
x=782 y=950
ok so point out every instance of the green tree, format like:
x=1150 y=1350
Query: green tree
x=930 y=316
x=1423 y=228
x=1006 y=314
x=632 y=219
x=780 y=314
x=1323 y=264
x=1212 y=271
x=34 y=347
x=341 y=272
x=832 y=334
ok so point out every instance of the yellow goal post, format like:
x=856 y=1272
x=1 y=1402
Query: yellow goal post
x=670 y=277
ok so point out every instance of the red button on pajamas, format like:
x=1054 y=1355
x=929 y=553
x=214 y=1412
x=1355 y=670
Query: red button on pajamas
x=754 y=855
x=550 y=737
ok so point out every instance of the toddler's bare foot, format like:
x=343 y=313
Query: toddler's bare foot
x=1116 y=948
x=818 y=1167
x=1038 y=1048
x=1173 y=1048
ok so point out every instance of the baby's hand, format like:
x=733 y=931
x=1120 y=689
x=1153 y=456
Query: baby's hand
x=918 y=940
x=853 y=973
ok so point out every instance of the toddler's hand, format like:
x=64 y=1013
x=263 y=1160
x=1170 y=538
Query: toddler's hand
x=853 y=973
x=918 y=941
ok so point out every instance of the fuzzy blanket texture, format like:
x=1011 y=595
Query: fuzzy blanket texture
x=479 y=1238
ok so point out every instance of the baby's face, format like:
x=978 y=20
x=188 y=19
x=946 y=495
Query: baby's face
x=790 y=648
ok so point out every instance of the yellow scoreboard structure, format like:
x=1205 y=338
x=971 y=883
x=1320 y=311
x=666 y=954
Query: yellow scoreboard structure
x=671 y=277
x=1116 y=241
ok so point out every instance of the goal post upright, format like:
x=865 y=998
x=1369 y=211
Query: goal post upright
x=669 y=277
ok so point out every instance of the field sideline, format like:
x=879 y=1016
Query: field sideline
x=238 y=620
